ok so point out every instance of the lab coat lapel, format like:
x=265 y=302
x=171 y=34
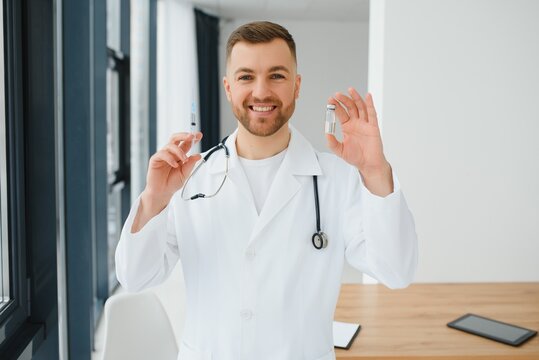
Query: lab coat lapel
x=300 y=159
x=284 y=187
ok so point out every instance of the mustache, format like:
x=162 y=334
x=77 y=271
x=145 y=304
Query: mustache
x=267 y=100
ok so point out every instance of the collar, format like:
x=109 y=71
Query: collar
x=300 y=158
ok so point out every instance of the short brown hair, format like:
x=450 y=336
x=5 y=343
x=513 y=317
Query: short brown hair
x=260 y=32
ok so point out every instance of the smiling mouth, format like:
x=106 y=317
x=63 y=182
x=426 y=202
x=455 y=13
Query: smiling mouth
x=262 y=109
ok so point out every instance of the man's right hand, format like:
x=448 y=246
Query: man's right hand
x=168 y=170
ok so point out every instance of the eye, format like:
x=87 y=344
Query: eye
x=277 y=76
x=245 y=77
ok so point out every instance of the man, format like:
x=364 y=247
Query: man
x=256 y=287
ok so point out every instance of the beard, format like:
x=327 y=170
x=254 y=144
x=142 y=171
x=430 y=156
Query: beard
x=263 y=126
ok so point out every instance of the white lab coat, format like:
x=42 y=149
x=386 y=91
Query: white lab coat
x=256 y=288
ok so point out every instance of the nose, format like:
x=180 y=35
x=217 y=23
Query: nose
x=261 y=89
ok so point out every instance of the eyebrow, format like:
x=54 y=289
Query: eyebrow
x=243 y=69
x=279 y=68
x=272 y=69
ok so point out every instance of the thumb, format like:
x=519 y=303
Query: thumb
x=334 y=145
x=187 y=167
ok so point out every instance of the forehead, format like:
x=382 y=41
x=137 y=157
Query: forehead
x=260 y=56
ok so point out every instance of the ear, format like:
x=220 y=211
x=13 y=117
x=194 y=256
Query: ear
x=298 y=86
x=226 y=85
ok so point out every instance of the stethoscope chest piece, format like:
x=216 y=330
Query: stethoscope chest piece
x=320 y=240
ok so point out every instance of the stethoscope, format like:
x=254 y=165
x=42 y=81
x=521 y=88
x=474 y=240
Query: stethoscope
x=319 y=238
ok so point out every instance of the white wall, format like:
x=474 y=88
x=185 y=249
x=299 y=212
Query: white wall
x=331 y=57
x=177 y=70
x=460 y=87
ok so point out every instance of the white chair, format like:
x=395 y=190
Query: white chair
x=137 y=327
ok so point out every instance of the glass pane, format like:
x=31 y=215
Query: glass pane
x=114 y=229
x=4 y=251
x=113 y=24
x=113 y=123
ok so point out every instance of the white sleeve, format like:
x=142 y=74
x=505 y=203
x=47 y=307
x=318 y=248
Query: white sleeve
x=380 y=235
x=147 y=257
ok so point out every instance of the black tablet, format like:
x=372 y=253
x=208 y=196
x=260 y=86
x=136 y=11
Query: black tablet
x=492 y=329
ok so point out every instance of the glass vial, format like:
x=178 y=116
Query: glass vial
x=330 y=119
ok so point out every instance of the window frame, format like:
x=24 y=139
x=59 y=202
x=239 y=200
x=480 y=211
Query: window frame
x=14 y=314
x=4 y=246
x=31 y=316
x=118 y=177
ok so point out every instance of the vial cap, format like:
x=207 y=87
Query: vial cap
x=330 y=107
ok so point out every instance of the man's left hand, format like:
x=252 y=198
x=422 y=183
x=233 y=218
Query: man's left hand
x=361 y=145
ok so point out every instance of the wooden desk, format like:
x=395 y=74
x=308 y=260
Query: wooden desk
x=411 y=323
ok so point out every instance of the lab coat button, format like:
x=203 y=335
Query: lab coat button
x=246 y=314
x=250 y=254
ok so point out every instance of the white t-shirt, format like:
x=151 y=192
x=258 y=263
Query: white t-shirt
x=260 y=175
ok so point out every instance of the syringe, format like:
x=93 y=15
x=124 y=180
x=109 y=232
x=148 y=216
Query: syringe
x=193 y=123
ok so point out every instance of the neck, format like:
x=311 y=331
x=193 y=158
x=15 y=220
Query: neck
x=252 y=147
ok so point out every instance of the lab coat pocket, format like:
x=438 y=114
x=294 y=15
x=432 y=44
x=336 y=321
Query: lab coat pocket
x=329 y=356
x=188 y=353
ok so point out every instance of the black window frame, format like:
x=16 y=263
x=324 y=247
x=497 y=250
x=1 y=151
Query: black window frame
x=31 y=316
x=118 y=182
x=16 y=311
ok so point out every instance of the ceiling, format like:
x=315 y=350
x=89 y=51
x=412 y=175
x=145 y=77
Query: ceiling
x=320 y=10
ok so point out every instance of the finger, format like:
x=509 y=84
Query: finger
x=190 y=141
x=185 y=145
x=163 y=156
x=362 y=108
x=178 y=154
x=349 y=103
x=198 y=136
x=340 y=111
x=371 y=110
x=189 y=164
x=177 y=137
x=334 y=145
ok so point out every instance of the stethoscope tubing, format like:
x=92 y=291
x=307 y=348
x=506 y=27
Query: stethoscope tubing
x=219 y=146
x=319 y=239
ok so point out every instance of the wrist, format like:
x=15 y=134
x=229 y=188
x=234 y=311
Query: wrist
x=378 y=181
x=376 y=173
x=149 y=207
x=153 y=203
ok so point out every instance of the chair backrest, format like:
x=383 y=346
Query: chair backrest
x=137 y=327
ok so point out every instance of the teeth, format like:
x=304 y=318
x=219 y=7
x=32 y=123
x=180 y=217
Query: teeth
x=262 y=108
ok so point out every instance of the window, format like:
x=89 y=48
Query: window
x=27 y=221
x=117 y=131
x=4 y=251
x=115 y=182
